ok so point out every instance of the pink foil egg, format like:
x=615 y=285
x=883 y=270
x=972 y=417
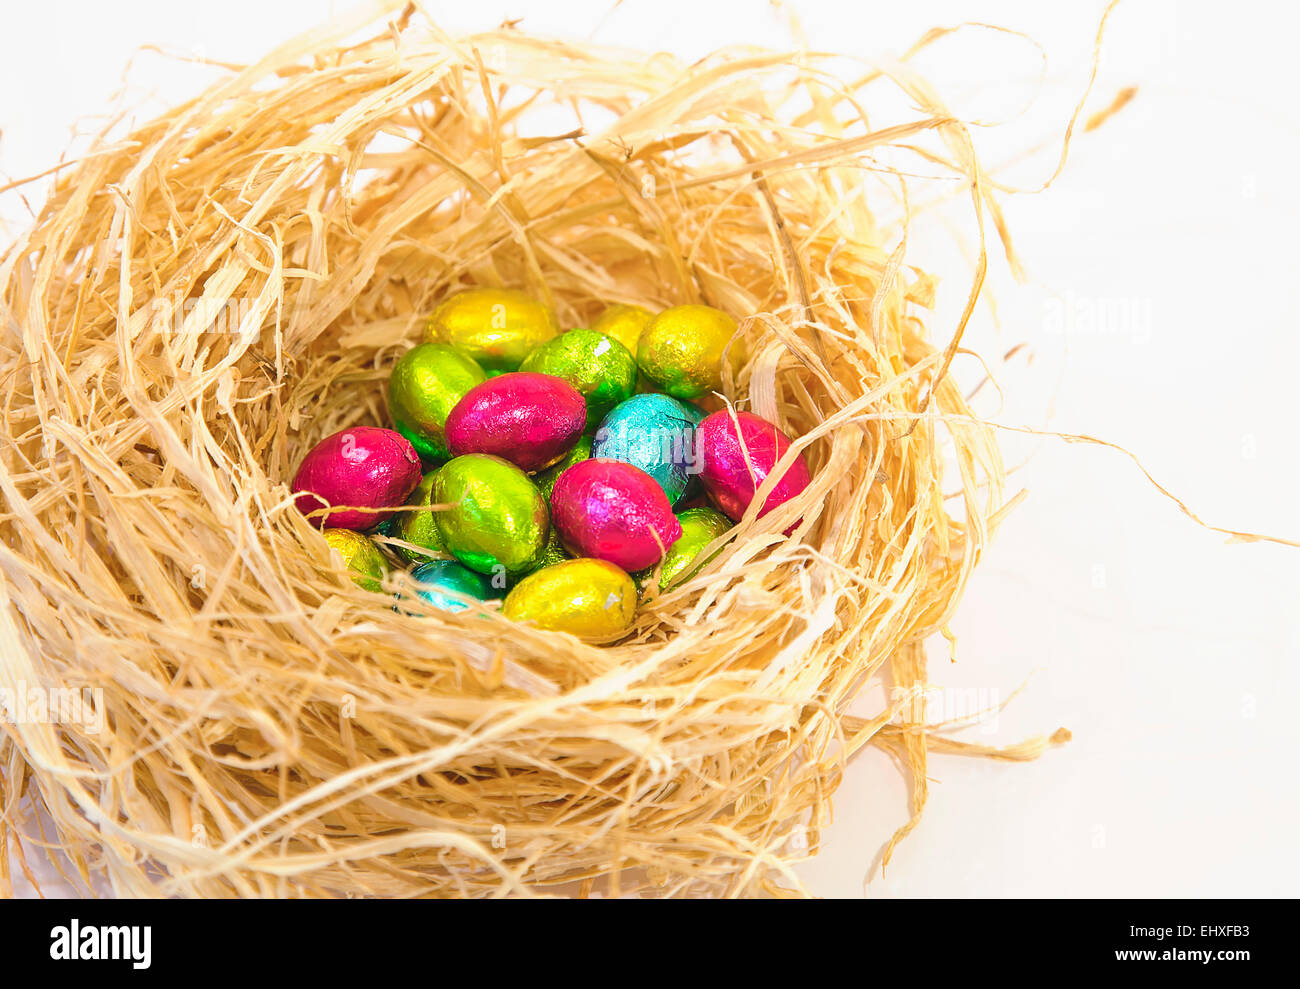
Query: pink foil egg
x=364 y=466
x=728 y=478
x=532 y=420
x=615 y=512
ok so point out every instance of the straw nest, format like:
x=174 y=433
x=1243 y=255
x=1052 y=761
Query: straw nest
x=200 y=302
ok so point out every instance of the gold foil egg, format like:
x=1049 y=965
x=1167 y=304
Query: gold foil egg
x=584 y=597
x=497 y=327
x=681 y=350
x=365 y=563
x=624 y=323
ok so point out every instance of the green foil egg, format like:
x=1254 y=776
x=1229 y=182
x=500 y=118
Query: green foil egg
x=424 y=387
x=598 y=366
x=554 y=552
x=439 y=577
x=418 y=528
x=497 y=327
x=365 y=563
x=498 y=521
x=700 y=526
x=545 y=479
x=681 y=350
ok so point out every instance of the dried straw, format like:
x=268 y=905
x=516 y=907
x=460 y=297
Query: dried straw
x=198 y=303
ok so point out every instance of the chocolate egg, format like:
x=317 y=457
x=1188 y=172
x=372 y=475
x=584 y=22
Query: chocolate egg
x=700 y=526
x=532 y=420
x=364 y=468
x=554 y=551
x=598 y=366
x=613 y=511
x=656 y=433
x=417 y=528
x=584 y=597
x=424 y=387
x=545 y=479
x=497 y=523
x=439 y=580
x=733 y=471
x=624 y=323
x=359 y=555
x=681 y=350
x=497 y=327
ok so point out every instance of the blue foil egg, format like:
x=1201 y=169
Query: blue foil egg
x=438 y=578
x=655 y=433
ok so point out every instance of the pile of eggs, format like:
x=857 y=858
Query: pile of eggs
x=564 y=470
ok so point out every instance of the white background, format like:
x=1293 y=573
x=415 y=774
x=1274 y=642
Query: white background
x=1171 y=655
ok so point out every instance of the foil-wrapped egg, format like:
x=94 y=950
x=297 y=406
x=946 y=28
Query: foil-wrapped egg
x=585 y=597
x=681 y=350
x=700 y=526
x=364 y=467
x=439 y=581
x=598 y=366
x=417 y=528
x=613 y=511
x=424 y=387
x=656 y=433
x=735 y=463
x=554 y=551
x=497 y=522
x=532 y=420
x=361 y=557
x=545 y=479
x=497 y=327
x=624 y=323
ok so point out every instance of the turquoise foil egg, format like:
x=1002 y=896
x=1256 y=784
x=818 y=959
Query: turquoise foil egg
x=655 y=433
x=440 y=580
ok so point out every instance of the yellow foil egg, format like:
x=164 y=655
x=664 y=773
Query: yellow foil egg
x=497 y=327
x=585 y=597
x=623 y=323
x=365 y=563
x=681 y=350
